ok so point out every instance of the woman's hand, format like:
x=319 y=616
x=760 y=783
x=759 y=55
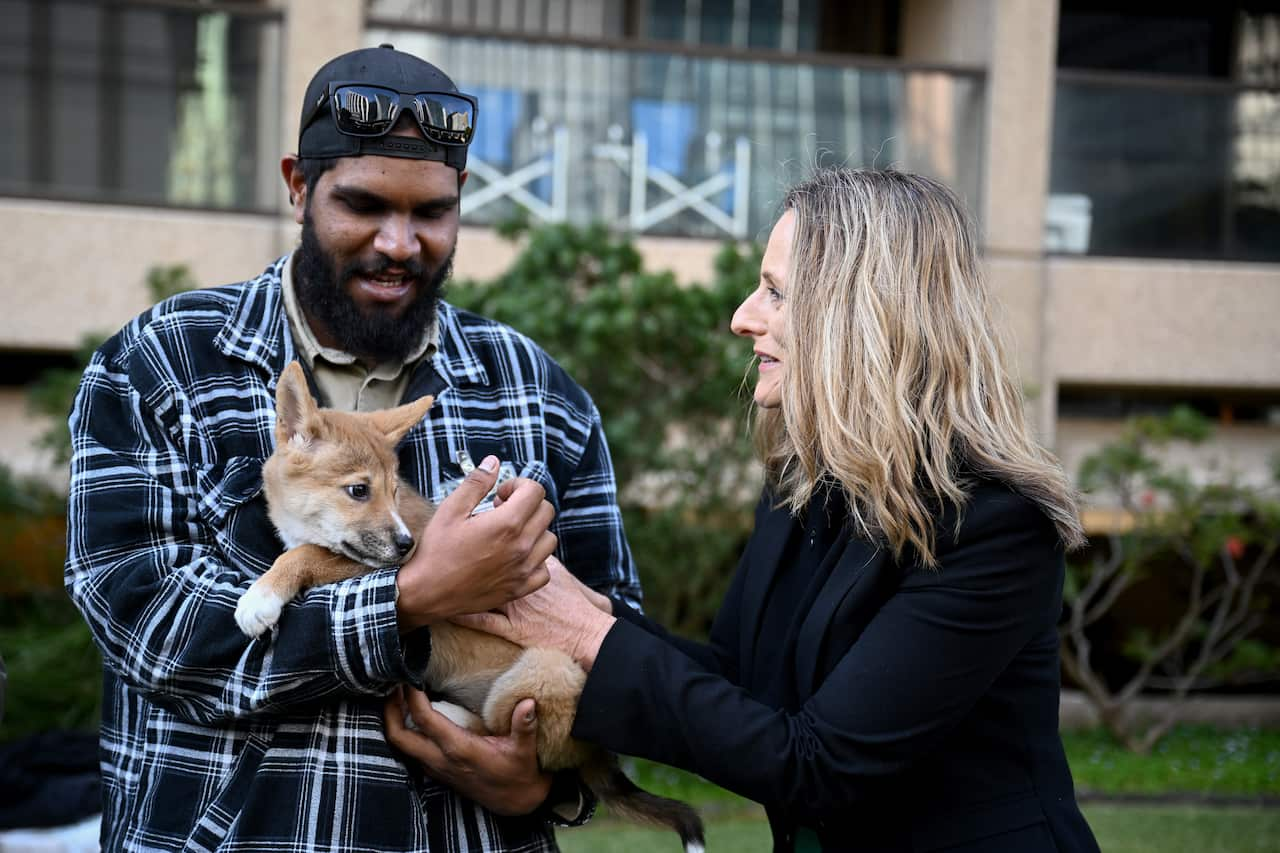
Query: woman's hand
x=499 y=773
x=563 y=615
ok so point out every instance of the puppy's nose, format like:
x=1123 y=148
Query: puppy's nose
x=403 y=543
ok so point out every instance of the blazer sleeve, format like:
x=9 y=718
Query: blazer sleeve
x=718 y=655
x=923 y=661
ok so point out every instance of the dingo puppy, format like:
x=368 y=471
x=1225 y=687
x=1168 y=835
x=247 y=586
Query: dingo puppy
x=336 y=499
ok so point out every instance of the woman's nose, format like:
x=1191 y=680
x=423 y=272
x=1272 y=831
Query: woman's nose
x=746 y=320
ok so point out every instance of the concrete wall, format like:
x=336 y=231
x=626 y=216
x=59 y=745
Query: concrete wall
x=75 y=268
x=1145 y=322
x=80 y=268
x=483 y=254
x=315 y=31
x=1016 y=285
x=1014 y=42
x=947 y=31
x=19 y=432
x=1241 y=451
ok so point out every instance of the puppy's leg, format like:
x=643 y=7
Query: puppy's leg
x=456 y=714
x=293 y=571
x=555 y=682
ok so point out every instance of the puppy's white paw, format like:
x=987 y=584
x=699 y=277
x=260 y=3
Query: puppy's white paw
x=258 y=610
x=460 y=717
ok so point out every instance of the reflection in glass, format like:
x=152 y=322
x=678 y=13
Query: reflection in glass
x=692 y=111
x=1166 y=171
x=140 y=103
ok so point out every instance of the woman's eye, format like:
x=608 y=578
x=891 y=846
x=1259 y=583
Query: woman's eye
x=775 y=295
x=359 y=491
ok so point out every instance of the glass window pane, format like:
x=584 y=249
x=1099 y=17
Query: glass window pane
x=1175 y=171
x=708 y=124
x=140 y=103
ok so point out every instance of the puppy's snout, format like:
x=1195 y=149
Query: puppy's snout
x=403 y=543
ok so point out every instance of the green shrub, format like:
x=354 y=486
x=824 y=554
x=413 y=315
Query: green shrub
x=666 y=373
x=54 y=669
x=1213 y=545
x=52 y=394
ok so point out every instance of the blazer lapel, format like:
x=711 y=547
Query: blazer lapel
x=855 y=577
x=767 y=543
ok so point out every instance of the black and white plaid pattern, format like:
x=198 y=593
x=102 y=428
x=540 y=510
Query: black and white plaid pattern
x=213 y=741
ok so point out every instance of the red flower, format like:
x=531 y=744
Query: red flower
x=1235 y=547
x=1147 y=499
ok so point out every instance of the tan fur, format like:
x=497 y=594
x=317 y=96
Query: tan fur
x=318 y=454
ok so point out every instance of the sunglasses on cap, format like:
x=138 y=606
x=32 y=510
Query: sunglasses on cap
x=361 y=109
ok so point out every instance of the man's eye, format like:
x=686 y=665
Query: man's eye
x=358 y=491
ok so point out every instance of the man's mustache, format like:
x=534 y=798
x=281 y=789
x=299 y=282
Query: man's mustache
x=412 y=268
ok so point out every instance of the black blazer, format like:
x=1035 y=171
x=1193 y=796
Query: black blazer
x=923 y=710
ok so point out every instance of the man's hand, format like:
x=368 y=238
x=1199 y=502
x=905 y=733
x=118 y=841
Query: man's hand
x=469 y=563
x=499 y=773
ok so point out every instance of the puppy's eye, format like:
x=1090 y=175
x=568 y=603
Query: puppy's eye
x=358 y=491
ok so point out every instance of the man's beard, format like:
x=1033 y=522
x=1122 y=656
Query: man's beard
x=377 y=335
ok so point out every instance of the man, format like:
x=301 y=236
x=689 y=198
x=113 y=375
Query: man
x=209 y=738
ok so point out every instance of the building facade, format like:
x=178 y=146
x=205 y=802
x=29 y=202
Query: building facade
x=1124 y=164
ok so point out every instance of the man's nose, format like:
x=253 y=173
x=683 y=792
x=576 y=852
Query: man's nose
x=396 y=239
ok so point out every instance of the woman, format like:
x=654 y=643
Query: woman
x=883 y=673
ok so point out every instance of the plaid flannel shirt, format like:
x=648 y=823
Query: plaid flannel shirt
x=210 y=740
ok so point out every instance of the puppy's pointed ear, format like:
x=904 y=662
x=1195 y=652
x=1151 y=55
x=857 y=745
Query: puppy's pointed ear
x=295 y=407
x=396 y=423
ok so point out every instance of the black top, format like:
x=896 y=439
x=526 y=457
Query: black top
x=813 y=550
x=899 y=709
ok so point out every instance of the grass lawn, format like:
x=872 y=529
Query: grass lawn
x=1192 y=759
x=1119 y=829
x=1197 y=759
x=1184 y=829
x=741 y=833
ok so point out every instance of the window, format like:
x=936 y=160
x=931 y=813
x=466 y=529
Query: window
x=134 y=102
x=1166 y=138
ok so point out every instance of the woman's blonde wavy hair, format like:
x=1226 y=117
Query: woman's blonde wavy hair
x=897 y=382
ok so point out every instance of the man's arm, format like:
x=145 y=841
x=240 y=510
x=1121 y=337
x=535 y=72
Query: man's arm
x=157 y=590
x=589 y=530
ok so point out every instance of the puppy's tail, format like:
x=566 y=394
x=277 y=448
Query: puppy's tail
x=603 y=776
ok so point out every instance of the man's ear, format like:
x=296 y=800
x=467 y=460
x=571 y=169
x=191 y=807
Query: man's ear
x=296 y=410
x=296 y=184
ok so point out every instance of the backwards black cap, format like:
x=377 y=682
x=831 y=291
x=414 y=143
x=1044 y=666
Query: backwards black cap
x=376 y=66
